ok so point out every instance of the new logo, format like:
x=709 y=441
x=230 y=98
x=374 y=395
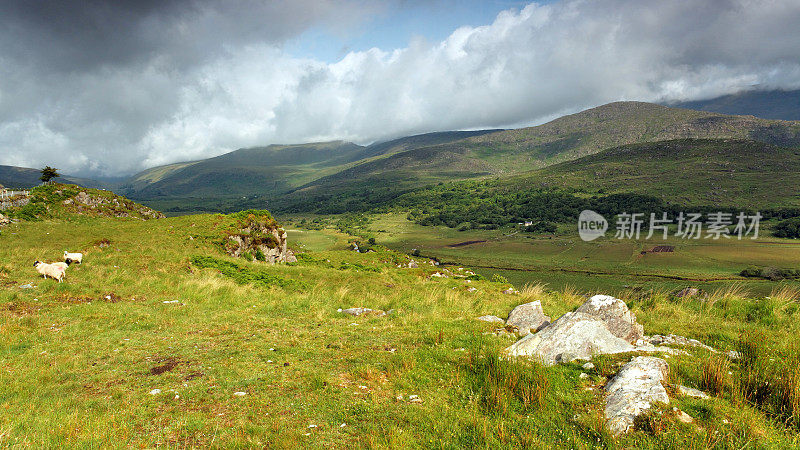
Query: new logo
x=591 y=225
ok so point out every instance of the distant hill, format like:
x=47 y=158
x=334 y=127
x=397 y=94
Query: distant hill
x=508 y=152
x=772 y=104
x=710 y=172
x=264 y=171
x=14 y=177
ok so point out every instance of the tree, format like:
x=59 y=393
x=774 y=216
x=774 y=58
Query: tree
x=48 y=173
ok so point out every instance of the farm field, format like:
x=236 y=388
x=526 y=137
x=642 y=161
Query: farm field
x=605 y=264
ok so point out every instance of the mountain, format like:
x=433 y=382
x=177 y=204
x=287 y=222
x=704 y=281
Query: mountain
x=508 y=152
x=14 y=177
x=769 y=104
x=264 y=171
x=724 y=172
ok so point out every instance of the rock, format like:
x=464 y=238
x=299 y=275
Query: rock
x=672 y=339
x=412 y=264
x=471 y=289
x=688 y=292
x=260 y=237
x=683 y=417
x=510 y=291
x=491 y=319
x=573 y=336
x=588 y=366
x=359 y=311
x=527 y=318
x=583 y=375
x=636 y=387
x=438 y=275
x=240 y=394
x=691 y=392
x=733 y=354
x=155 y=392
x=614 y=312
x=4 y=220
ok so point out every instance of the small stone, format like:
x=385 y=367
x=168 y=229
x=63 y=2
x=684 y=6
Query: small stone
x=588 y=366
x=583 y=375
x=155 y=392
x=691 y=392
x=683 y=417
x=240 y=394
x=491 y=319
x=414 y=399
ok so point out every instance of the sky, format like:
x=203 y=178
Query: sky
x=111 y=87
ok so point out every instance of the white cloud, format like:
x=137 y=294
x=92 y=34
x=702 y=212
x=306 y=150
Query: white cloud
x=525 y=67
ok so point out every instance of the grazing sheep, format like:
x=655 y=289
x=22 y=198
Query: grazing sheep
x=63 y=265
x=73 y=257
x=50 y=270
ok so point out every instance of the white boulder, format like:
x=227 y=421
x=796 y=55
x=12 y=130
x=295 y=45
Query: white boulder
x=634 y=390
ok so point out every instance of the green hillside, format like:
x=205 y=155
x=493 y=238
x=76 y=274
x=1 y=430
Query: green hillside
x=690 y=171
x=159 y=339
x=259 y=172
x=513 y=151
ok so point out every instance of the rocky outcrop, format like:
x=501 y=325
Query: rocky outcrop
x=107 y=204
x=257 y=236
x=634 y=390
x=4 y=220
x=614 y=312
x=573 y=336
x=527 y=318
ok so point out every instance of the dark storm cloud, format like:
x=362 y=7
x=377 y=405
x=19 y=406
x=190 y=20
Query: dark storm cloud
x=80 y=35
x=114 y=87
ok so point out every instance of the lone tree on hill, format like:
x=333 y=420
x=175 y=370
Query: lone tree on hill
x=48 y=173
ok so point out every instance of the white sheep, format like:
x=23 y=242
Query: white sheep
x=63 y=265
x=73 y=257
x=50 y=270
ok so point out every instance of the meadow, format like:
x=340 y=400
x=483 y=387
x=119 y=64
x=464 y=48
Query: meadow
x=608 y=264
x=238 y=363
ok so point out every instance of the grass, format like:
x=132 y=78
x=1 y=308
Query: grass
x=79 y=359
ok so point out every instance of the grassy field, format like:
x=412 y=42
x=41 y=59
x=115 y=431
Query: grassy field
x=607 y=264
x=79 y=359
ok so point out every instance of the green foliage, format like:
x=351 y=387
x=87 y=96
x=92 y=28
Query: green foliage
x=770 y=273
x=243 y=274
x=48 y=173
x=497 y=278
x=541 y=227
x=789 y=228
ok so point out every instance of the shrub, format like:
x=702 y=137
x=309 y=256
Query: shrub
x=770 y=273
x=789 y=228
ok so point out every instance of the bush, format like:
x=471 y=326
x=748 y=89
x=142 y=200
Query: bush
x=541 y=227
x=789 y=228
x=770 y=273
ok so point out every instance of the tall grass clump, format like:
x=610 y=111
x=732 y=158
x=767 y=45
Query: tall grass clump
x=726 y=294
x=768 y=380
x=785 y=298
x=502 y=386
x=533 y=291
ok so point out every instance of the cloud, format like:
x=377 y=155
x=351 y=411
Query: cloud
x=180 y=92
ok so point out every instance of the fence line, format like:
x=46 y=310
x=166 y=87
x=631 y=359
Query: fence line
x=6 y=194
